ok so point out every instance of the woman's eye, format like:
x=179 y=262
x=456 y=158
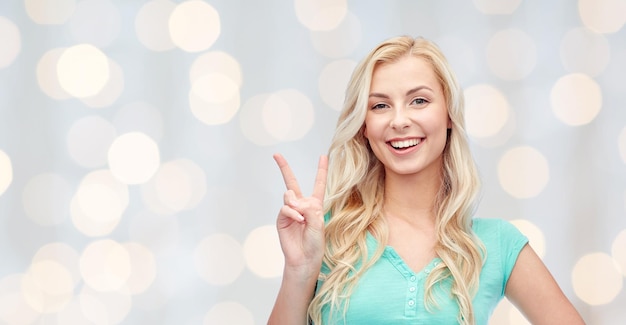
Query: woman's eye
x=419 y=101
x=379 y=106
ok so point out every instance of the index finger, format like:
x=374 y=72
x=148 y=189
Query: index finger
x=319 y=188
x=290 y=179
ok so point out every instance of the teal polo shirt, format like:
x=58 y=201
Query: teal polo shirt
x=391 y=293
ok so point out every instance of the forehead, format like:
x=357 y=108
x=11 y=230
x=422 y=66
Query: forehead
x=408 y=69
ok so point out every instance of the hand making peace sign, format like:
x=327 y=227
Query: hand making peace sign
x=300 y=221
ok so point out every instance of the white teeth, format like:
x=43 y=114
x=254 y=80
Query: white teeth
x=404 y=143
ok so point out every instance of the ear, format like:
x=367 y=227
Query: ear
x=449 y=123
x=365 y=132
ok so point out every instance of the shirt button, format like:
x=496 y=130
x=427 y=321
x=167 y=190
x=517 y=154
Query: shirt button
x=412 y=289
x=411 y=303
x=413 y=278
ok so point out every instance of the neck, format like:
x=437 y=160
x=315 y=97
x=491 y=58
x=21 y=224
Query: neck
x=413 y=197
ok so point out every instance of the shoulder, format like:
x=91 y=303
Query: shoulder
x=498 y=234
x=503 y=242
x=493 y=226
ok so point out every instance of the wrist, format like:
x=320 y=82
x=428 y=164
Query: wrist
x=302 y=274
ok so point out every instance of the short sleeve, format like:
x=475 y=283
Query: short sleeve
x=325 y=269
x=326 y=217
x=511 y=243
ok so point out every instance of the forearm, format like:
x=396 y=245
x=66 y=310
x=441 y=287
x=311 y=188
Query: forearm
x=294 y=296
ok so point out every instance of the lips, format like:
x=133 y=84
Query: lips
x=405 y=143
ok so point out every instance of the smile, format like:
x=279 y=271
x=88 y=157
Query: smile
x=403 y=144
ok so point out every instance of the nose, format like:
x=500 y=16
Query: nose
x=400 y=120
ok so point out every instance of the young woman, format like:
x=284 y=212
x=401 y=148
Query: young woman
x=388 y=236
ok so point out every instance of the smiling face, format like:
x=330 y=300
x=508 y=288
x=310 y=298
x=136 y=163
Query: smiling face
x=407 y=118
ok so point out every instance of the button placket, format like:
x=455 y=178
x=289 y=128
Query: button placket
x=411 y=296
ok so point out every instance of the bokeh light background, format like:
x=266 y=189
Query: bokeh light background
x=136 y=178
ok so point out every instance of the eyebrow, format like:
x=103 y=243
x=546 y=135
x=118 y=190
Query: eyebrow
x=410 y=92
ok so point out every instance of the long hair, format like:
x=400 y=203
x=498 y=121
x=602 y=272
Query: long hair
x=355 y=188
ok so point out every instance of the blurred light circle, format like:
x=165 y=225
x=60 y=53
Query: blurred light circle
x=106 y=178
x=576 y=99
x=228 y=312
x=91 y=221
x=597 y=279
x=93 y=309
x=46 y=199
x=618 y=251
x=105 y=308
x=497 y=7
x=89 y=226
x=151 y=25
x=151 y=199
x=501 y=313
x=516 y=317
x=603 y=16
x=133 y=158
x=173 y=186
x=45 y=12
x=621 y=143
x=84 y=221
x=340 y=41
x=105 y=265
x=11 y=42
x=585 y=51
x=143 y=268
x=523 y=172
x=47 y=286
x=141 y=117
x=97 y=22
x=277 y=117
x=13 y=306
x=215 y=88
x=511 y=54
x=251 y=121
x=262 y=251
x=213 y=113
x=535 y=236
x=99 y=203
x=88 y=141
x=194 y=25
x=320 y=15
x=6 y=172
x=61 y=253
x=486 y=110
x=72 y=313
x=288 y=115
x=216 y=62
x=83 y=70
x=111 y=90
x=47 y=74
x=333 y=81
x=179 y=185
x=219 y=259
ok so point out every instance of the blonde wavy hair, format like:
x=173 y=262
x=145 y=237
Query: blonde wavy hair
x=355 y=190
